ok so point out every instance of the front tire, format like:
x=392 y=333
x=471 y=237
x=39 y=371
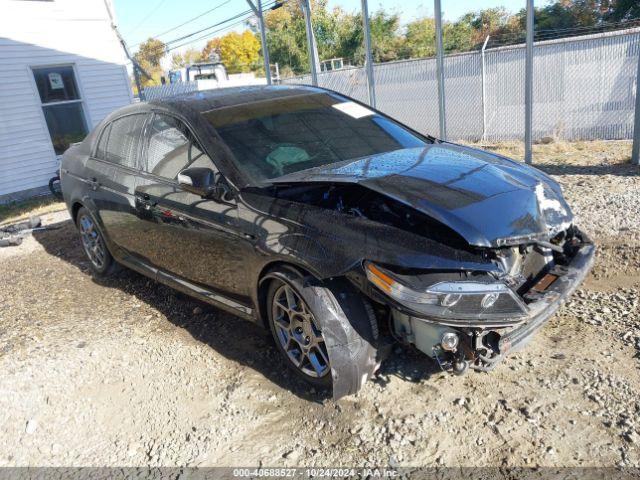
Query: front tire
x=94 y=245
x=296 y=334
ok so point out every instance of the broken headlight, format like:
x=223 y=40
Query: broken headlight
x=459 y=300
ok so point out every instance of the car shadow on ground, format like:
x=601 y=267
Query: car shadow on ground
x=236 y=339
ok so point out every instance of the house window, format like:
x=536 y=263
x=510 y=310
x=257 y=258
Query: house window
x=62 y=105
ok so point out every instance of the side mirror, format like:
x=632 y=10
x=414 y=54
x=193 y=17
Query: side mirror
x=200 y=181
x=205 y=182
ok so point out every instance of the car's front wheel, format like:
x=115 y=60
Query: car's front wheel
x=326 y=330
x=100 y=259
x=297 y=334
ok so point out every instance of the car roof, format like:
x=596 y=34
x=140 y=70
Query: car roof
x=198 y=102
x=191 y=106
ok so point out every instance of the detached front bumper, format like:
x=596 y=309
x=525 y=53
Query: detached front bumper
x=484 y=348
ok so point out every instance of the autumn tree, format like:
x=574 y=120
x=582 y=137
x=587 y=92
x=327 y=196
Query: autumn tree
x=211 y=50
x=188 y=57
x=148 y=56
x=240 y=52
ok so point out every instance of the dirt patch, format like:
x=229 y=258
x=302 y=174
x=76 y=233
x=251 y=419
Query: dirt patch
x=123 y=371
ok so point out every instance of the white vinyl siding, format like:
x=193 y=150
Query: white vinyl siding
x=62 y=32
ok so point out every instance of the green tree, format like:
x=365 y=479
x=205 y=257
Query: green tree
x=614 y=11
x=286 y=38
x=457 y=37
x=490 y=21
x=420 y=38
x=386 y=40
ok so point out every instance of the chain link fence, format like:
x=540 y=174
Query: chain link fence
x=584 y=89
x=169 y=90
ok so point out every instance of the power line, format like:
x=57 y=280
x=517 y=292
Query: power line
x=208 y=34
x=247 y=15
x=188 y=21
x=217 y=31
x=208 y=28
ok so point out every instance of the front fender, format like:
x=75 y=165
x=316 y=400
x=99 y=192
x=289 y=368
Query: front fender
x=347 y=323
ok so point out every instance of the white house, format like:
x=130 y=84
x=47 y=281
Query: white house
x=62 y=70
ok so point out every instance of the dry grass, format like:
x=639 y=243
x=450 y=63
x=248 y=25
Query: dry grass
x=16 y=211
x=614 y=152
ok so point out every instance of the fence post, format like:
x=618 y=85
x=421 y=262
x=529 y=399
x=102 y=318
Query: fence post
x=528 y=85
x=440 y=69
x=484 y=91
x=263 y=37
x=311 y=41
x=635 y=150
x=368 y=56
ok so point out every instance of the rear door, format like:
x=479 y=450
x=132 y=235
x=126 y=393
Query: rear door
x=116 y=163
x=190 y=237
x=98 y=173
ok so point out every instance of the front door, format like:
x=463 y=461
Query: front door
x=192 y=238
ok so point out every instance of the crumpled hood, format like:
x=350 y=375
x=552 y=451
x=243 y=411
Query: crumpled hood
x=488 y=199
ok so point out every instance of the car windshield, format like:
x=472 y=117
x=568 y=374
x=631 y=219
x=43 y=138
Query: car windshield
x=279 y=136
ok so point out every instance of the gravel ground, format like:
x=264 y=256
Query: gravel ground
x=123 y=371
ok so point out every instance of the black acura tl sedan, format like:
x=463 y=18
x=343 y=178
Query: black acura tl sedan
x=334 y=226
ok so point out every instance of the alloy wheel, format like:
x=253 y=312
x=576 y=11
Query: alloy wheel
x=92 y=242
x=298 y=334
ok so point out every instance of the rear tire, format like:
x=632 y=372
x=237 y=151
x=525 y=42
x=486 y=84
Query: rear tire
x=54 y=187
x=94 y=245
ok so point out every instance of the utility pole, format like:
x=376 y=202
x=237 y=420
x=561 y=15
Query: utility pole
x=314 y=59
x=440 y=69
x=257 y=10
x=528 y=86
x=137 y=69
x=368 y=62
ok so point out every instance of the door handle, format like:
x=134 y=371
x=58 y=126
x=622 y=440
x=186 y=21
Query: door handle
x=142 y=198
x=94 y=184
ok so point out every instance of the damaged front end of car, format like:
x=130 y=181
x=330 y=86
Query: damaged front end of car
x=474 y=319
x=464 y=254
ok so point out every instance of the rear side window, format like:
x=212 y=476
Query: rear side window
x=120 y=140
x=172 y=148
x=101 y=151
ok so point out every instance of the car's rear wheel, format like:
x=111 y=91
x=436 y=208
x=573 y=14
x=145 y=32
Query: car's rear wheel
x=297 y=335
x=94 y=245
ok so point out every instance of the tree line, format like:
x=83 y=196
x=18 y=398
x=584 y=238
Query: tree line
x=339 y=34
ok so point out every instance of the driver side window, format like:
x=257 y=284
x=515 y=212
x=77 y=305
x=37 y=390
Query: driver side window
x=171 y=148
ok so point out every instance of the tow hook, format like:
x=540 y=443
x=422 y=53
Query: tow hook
x=458 y=364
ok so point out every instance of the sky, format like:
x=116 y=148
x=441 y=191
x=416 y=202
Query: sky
x=140 y=19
